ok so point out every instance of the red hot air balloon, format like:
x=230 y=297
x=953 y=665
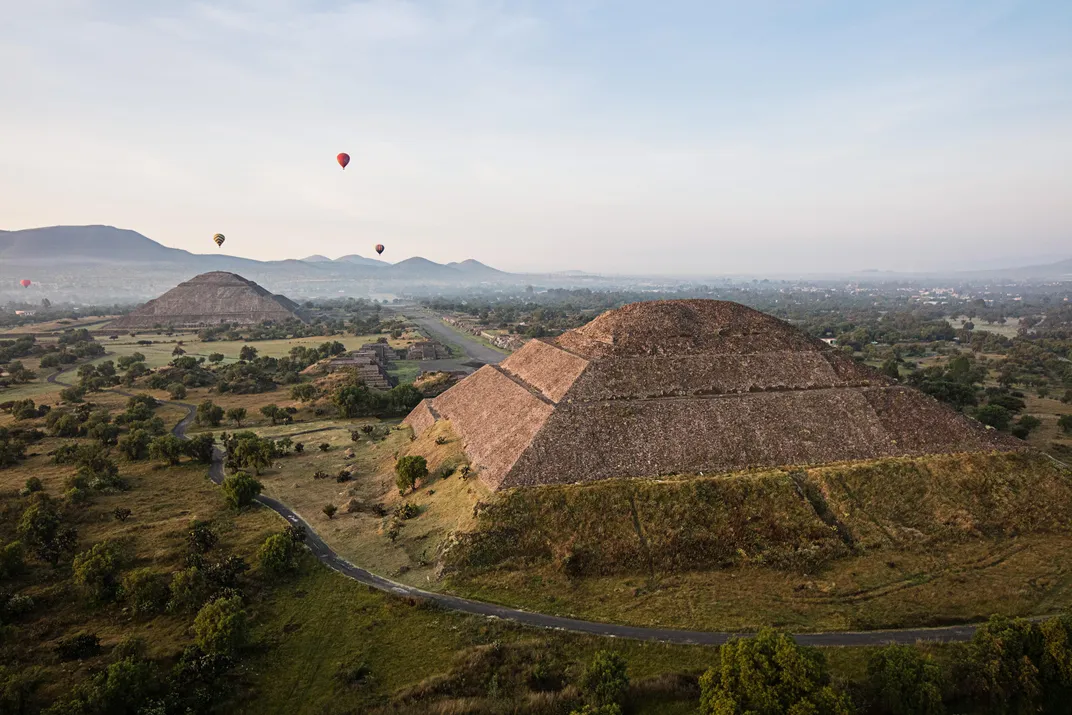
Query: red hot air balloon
x=343 y=159
x=25 y=282
x=379 y=248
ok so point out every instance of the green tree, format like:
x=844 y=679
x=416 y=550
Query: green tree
x=605 y=680
x=222 y=626
x=273 y=413
x=904 y=681
x=12 y=562
x=240 y=489
x=72 y=394
x=135 y=444
x=97 y=570
x=1065 y=423
x=209 y=414
x=278 y=554
x=40 y=528
x=247 y=353
x=168 y=448
x=215 y=358
x=890 y=369
x=305 y=392
x=177 y=390
x=236 y=415
x=770 y=674
x=189 y=590
x=994 y=416
x=408 y=470
x=201 y=448
x=144 y=591
x=1003 y=657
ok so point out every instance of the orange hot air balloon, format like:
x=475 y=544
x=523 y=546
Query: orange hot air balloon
x=379 y=248
x=25 y=282
x=343 y=159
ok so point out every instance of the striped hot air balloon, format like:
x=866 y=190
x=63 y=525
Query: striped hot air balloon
x=219 y=239
x=379 y=248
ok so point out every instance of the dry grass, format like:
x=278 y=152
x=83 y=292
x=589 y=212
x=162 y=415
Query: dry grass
x=446 y=505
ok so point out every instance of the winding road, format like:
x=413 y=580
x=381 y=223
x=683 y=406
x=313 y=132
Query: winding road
x=326 y=555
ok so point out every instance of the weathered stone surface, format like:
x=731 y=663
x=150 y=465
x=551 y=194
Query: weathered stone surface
x=212 y=299
x=690 y=386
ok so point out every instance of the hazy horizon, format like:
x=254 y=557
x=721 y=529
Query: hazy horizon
x=698 y=138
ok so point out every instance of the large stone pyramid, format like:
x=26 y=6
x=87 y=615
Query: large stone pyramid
x=686 y=387
x=211 y=299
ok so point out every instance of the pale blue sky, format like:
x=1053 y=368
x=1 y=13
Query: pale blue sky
x=674 y=137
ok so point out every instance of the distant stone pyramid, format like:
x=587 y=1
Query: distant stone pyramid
x=686 y=387
x=211 y=299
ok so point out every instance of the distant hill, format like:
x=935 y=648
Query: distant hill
x=76 y=244
x=360 y=260
x=81 y=262
x=476 y=269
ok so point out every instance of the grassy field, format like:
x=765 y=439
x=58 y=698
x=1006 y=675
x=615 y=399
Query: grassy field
x=1007 y=330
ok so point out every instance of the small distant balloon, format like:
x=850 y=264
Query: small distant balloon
x=343 y=159
x=379 y=248
x=219 y=239
x=25 y=282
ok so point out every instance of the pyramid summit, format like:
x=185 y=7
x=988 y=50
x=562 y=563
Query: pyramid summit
x=211 y=299
x=686 y=387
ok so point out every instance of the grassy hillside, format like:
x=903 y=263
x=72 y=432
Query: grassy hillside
x=890 y=543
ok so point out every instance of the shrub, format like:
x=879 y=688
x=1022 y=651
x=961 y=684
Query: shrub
x=17 y=606
x=408 y=470
x=12 y=561
x=78 y=647
x=769 y=674
x=144 y=591
x=407 y=510
x=305 y=392
x=33 y=484
x=121 y=513
x=221 y=626
x=72 y=394
x=299 y=447
x=1065 y=423
x=189 y=590
x=1030 y=423
x=97 y=570
x=324 y=446
x=605 y=680
x=903 y=681
x=994 y=416
x=241 y=489
x=329 y=510
x=201 y=538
